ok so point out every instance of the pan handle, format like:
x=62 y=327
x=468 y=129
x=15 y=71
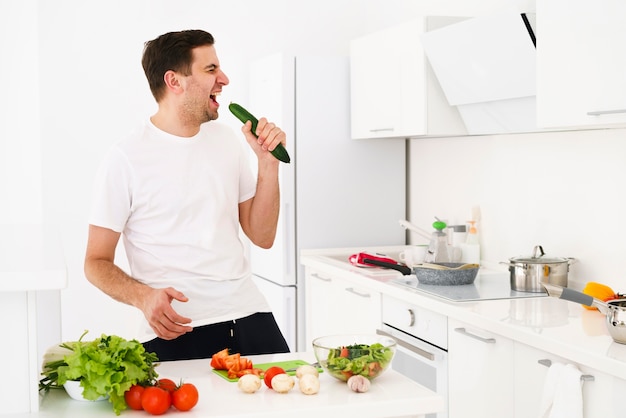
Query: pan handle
x=399 y=267
x=575 y=296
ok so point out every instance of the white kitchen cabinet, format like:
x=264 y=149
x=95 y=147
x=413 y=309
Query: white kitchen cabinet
x=602 y=394
x=480 y=373
x=581 y=63
x=337 y=306
x=394 y=92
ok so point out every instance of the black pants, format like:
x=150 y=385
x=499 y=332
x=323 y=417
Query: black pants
x=254 y=334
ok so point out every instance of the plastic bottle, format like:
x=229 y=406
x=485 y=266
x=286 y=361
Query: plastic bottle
x=470 y=250
x=438 y=247
x=458 y=237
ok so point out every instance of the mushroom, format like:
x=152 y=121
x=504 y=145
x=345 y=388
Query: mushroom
x=358 y=383
x=306 y=369
x=249 y=383
x=309 y=384
x=282 y=383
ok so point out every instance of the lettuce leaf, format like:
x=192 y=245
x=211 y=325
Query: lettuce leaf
x=107 y=366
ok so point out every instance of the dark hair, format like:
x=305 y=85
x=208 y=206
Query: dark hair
x=171 y=51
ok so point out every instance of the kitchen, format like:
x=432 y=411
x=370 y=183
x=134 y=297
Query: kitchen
x=557 y=189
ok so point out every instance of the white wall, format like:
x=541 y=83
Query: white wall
x=559 y=190
x=83 y=88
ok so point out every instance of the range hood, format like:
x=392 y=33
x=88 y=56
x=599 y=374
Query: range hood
x=486 y=67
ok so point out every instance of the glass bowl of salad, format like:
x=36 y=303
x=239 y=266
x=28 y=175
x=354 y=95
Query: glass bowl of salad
x=344 y=356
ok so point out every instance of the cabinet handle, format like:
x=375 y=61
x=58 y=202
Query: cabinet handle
x=479 y=338
x=605 y=112
x=324 y=279
x=585 y=377
x=363 y=295
x=381 y=129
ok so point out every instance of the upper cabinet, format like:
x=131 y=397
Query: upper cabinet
x=581 y=64
x=394 y=93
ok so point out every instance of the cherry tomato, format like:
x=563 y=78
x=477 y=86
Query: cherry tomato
x=156 y=401
x=167 y=384
x=270 y=373
x=133 y=397
x=185 y=397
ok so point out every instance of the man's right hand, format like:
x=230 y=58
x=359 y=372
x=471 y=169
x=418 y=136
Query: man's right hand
x=163 y=319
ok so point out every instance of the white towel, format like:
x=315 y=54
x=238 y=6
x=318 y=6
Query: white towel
x=562 y=392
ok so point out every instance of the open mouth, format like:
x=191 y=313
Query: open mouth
x=213 y=98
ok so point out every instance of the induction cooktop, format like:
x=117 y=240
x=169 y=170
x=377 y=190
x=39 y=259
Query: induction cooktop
x=487 y=286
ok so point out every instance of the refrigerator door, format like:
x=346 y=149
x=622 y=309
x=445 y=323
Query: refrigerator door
x=282 y=299
x=272 y=88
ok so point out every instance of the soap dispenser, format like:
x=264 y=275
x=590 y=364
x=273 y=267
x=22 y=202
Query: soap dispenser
x=470 y=250
x=438 y=247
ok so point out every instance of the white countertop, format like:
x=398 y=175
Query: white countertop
x=391 y=395
x=563 y=328
x=31 y=258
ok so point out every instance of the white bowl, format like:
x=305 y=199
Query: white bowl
x=75 y=390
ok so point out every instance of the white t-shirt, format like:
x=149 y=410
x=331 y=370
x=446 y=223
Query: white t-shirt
x=175 y=201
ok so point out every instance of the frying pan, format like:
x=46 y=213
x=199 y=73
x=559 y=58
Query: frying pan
x=615 y=310
x=443 y=274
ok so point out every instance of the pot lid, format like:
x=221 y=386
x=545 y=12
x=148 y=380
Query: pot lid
x=539 y=256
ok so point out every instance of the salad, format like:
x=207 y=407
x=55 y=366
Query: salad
x=359 y=359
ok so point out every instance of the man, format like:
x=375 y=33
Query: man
x=178 y=189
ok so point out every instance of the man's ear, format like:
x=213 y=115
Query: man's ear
x=172 y=81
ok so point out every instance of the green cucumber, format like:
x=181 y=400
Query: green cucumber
x=243 y=115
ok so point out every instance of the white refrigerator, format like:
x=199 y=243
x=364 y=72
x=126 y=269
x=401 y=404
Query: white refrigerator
x=336 y=192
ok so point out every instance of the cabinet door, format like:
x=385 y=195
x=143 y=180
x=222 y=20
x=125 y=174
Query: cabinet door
x=602 y=394
x=318 y=301
x=336 y=306
x=581 y=63
x=480 y=369
x=394 y=93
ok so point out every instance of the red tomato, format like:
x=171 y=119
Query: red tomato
x=156 y=401
x=344 y=352
x=167 y=384
x=185 y=397
x=133 y=397
x=270 y=373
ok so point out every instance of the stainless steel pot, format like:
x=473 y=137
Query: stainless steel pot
x=615 y=310
x=527 y=273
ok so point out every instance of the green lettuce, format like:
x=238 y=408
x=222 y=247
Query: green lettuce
x=106 y=366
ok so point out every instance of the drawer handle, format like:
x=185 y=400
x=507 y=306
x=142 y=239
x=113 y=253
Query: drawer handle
x=381 y=129
x=415 y=350
x=324 y=279
x=363 y=295
x=479 y=338
x=605 y=112
x=585 y=377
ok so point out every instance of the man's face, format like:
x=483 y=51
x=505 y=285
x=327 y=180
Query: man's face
x=203 y=86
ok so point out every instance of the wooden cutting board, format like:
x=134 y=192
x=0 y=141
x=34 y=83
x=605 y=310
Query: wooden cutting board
x=290 y=364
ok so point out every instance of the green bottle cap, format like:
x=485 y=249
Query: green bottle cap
x=439 y=226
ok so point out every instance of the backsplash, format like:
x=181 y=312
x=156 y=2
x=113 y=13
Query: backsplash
x=561 y=190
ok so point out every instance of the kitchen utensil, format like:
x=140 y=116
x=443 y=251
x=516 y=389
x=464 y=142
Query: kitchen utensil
x=443 y=274
x=528 y=273
x=615 y=310
x=460 y=266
